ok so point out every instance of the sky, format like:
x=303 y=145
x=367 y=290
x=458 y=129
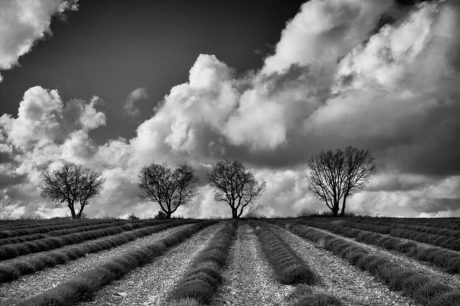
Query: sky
x=116 y=85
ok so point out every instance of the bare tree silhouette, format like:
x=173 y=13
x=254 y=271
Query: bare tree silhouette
x=333 y=176
x=72 y=184
x=234 y=185
x=170 y=188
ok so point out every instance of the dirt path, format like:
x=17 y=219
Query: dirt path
x=30 y=285
x=150 y=284
x=351 y=285
x=248 y=279
x=426 y=269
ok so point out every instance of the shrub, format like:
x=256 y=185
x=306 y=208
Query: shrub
x=420 y=287
x=133 y=217
x=161 y=215
x=443 y=258
x=200 y=282
x=82 y=286
x=304 y=295
x=289 y=268
x=47 y=227
x=49 y=243
x=50 y=259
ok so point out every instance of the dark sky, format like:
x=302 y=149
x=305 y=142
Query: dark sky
x=109 y=48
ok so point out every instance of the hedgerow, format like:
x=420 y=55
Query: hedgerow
x=88 y=282
x=204 y=275
x=420 y=287
x=18 y=268
x=442 y=258
x=289 y=268
x=9 y=251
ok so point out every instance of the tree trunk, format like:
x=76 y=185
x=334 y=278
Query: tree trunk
x=72 y=212
x=342 y=213
x=168 y=214
x=80 y=212
x=234 y=213
x=335 y=212
x=335 y=209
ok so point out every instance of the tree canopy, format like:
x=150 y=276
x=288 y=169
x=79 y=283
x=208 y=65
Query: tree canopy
x=71 y=184
x=169 y=188
x=234 y=185
x=333 y=176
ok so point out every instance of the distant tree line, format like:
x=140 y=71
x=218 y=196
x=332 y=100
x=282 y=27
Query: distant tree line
x=332 y=176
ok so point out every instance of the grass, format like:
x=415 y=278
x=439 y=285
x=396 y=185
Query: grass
x=202 y=279
x=289 y=268
x=88 y=282
x=13 y=271
x=419 y=287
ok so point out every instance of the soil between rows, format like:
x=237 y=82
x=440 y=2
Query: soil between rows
x=431 y=271
x=248 y=278
x=351 y=285
x=150 y=284
x=38 y=282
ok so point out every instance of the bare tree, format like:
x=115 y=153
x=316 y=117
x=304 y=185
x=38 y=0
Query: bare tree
x=334 y=176
x=234 y=185
x=360 y=166
x=170 y=188
x=72 y=184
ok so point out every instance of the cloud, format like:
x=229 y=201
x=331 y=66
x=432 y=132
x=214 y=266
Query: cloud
x=338 y=76
x=46 y=132
x=23 y=22
x=323 y=31
x=129 y=104
x=43 y=119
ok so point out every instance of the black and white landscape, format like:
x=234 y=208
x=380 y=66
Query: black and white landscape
x=230 y=152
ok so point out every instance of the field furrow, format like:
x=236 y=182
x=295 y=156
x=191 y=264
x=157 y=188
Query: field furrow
x=444 y=259
x=316 y=261
x=399 y=277
x=9 y=251
x=28 y=264
x=353 y=286
x=39 y=282
x=452 y=280
x=149 y=285
x=249 y=279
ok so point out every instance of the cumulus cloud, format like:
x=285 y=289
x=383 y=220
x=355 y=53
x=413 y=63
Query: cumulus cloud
x=42 y=119
x=45 y=132
x=338 y=76
x=129 y=104
x=323 y=31
x=23 y=22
